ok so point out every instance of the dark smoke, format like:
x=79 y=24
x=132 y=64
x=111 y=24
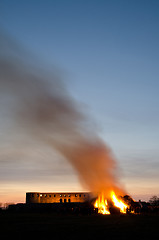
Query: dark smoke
x=41 y=106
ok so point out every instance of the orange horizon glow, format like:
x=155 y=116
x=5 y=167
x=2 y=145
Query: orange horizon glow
x=16 y=192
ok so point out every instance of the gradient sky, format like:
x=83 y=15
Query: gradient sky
x=108 y=53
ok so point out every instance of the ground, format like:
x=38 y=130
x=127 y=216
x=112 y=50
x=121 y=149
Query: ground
x=50 y=226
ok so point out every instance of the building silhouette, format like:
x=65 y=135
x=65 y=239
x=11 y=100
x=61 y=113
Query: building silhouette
x=54 y=197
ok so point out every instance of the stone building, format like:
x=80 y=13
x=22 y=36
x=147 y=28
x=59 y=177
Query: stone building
x=64 y=197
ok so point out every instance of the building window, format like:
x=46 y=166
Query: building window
x=64 y=195
x=69 y=200
x=84 y=195
x=45 y=195
x=50 y=195
x=60 y=200
x=79 y=195
x=41 y=195
x=60 y=195
x=65 y=200
x=75 y=195
x=37 y=194
x=54 y=195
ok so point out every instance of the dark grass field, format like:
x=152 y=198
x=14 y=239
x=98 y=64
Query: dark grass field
x=51 y=226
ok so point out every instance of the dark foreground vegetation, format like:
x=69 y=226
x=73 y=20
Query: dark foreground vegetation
x=64 y=226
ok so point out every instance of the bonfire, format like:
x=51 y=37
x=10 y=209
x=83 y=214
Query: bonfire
x=104 y=204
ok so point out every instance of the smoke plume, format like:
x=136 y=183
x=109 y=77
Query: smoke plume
x=42 y=107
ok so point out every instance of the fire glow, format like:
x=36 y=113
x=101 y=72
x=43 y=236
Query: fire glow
x=103 y=207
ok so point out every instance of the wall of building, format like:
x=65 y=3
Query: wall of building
x=37 y=197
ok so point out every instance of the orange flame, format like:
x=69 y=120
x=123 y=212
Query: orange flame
x=102 y=204
x=118 y=203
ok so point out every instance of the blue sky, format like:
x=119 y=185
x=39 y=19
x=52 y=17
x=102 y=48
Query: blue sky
x=108 y=53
